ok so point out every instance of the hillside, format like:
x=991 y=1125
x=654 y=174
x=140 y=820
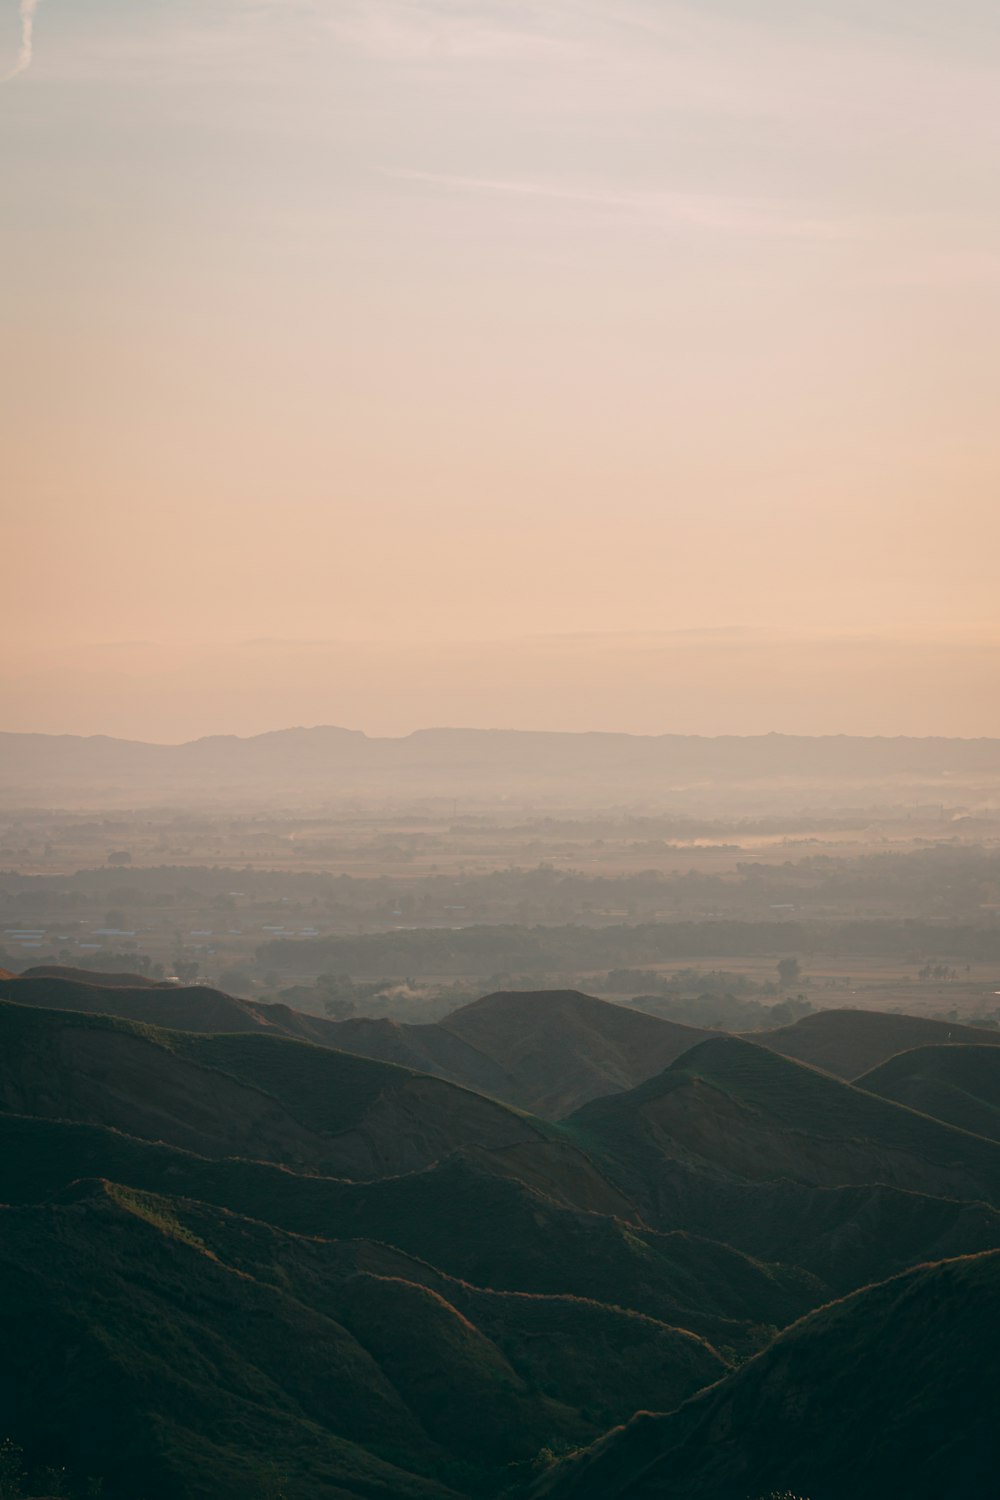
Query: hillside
x=852 y=1042
x=958 y=1084
x=194 y=1349
x=746 y=1114
x=269 y=1098
x=890 y=1392
x=423 y=1048
x=460 y=1216
x=248 y=1265
x=115 y=980
x=180 y=1008
x=546 y=1052
x=561 y=1049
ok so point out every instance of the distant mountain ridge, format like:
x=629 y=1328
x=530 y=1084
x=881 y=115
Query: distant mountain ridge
x=453 y=761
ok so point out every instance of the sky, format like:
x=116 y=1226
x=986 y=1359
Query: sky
x=612 y=365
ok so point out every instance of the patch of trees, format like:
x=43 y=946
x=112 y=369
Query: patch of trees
x=488 y=949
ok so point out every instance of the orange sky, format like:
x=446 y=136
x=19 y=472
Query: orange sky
x=434 y=322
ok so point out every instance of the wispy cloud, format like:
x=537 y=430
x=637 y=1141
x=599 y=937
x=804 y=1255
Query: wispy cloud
x=704 y=211
x=408 y=31
x=26 y=51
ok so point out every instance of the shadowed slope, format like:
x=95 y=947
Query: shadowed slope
x=581 y=1351
x=267 y=1097
x=958 y=1084
x=548 y=1052
x=561 y=1048
x=117 y=979
x=890 y=1392
x=745 y=1113
x=489 y=1230
x=852 y=1042
x=176 y=1350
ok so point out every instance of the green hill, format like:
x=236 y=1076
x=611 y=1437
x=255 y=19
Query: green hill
x=852 y=1042
x=489 y=1230
x=181 y=1008
x=561 y=1049
x=548 y=1052
x=745 y=1113
x=958 y=1084
x=423 y=1048
x=267 y=1097
x=890 y=1392
x=240 y=1264
x=172 y=1372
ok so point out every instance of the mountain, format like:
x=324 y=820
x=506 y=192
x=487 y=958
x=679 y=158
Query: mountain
x=460 y=1216
x=270 y=1098
x=852 y=1042
x=116 y=980
x=742 y=1113
x=241 y=1264
x=560 y=1049
x=423 y=1048
x=178 y=1353
x=889 y=1392
x=547 y=1052
x=179 y=1008
x=958 y=1084
x=450 y=762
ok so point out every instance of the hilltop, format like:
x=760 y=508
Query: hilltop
x=747 y=1114
x=852 y=1042
x=959 y=1084
x=547 y=1052
x=270 y=1098
x=200 y=1008
x=561 y=1048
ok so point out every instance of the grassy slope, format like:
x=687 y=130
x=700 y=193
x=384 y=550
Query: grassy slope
x=748 y=1114
x=852 y=1042
x=198 y=1008
x=176 y=1348
x=890 y=1392
x=488 y=1230
x=562 y=1048
x=954 y=1083
x=190 y=1008
x=268 y=1097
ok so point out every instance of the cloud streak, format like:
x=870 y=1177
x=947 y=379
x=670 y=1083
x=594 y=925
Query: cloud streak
x=27 y=48
x=701 y=210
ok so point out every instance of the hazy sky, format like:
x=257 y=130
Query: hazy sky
x=421 y=323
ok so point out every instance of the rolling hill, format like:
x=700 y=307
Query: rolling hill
x=459 y=1216
x=180 y=1008
x=177 y=1352
x=424 y=1048
x=546 y=1052
x=956 y=1083
x=561 y=1049
x=747 y=1114
x=852 y=1042
x=266 y=1097
x=889 y=1392
x=244 y=1264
